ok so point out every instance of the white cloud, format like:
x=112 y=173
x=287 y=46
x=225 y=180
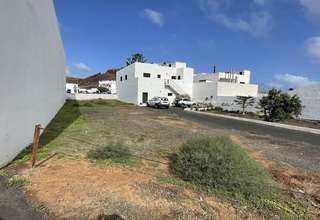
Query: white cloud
x=153 y=16
x=294 y=81
x=312 y=47
x=275 y=85
x=313 y=6
x=82 y=67
x=257 y=23
x=260 y=2
x=67 y=70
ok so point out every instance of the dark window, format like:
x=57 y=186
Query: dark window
x=242 y=82
x=159 y=76
x=125 y=77
x=170 y=65
x=173 y=77
x=169 y=94
x=147 y=75
x=202 y=80
x=241 y=73
x=211 y=97
x=120 y=78
x=179 y=77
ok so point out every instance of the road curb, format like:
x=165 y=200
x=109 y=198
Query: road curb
x=272 y=124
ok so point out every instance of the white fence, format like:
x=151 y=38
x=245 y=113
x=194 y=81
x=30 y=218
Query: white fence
x=82 y=97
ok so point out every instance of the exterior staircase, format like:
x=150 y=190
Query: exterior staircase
x=174 y=87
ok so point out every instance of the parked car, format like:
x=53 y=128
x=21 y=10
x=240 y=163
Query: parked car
x=185 y=103
x=159 y=102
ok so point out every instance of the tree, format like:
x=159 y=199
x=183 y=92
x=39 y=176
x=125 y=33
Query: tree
x=279 y=106
x=244 y=102
x=137 y=57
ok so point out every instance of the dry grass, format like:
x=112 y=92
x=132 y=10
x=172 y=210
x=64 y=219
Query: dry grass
x=70 y=186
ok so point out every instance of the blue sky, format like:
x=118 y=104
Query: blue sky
x=278 y=40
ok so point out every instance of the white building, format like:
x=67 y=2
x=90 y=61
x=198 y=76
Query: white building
x=32 y=79
x=222 y=87
x=139 y=82
x=109 y=84
x=72 y=88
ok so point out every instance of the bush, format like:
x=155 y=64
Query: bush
x=220 y=165
x=113 y=151
x=279 y=106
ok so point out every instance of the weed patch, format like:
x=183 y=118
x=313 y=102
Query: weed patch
x=114 y=153
x=17 y=182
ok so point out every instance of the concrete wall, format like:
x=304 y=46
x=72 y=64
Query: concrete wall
x=205 y=91
x=234 y=89
x=82 y=97
x=310 y=97
x=32 y=80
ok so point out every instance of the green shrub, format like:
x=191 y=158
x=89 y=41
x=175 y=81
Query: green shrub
x=115 y=152
x=219 y=164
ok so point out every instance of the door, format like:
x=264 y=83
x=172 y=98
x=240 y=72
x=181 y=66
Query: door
x=144 y=97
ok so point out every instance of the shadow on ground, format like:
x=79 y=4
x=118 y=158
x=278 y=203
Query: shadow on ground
x=63 y=119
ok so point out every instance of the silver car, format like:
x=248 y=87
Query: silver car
x=159 y=102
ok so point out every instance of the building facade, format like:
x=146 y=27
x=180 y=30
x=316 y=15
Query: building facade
x=109 y=84
x=72 y=88
x=222 y=87
x=139 y=82
x=32 y=72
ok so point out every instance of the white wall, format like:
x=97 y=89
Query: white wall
x=205 y=91
x=234 y=89
x=127 y=89
x=32 y=80
x=310 y=97
x=82 y=97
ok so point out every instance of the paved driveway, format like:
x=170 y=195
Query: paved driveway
x=296 y=148
x=13 y=205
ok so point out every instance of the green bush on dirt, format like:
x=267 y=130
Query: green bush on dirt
x=220 y=166
x=115 y=152
x=218 y=163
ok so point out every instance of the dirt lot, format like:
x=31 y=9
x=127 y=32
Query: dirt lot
x=69 y=186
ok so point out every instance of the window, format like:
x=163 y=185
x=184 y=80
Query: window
x=159 y=76
x=241 y=73
x=120 y=78
x=211 y=97
x=126 y=77
x=147 y=75
x=173 y=77
x=242 y=83
x=179 y=77
x=169 y=94
x=170 y=65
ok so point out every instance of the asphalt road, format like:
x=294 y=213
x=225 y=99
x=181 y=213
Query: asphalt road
x=13 y=205
x=253 y=128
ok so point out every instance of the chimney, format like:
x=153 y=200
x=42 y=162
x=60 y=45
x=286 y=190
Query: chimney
x=214 y=69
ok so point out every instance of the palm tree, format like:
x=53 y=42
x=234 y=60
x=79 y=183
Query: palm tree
x=244 y=102
x=137 y=57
